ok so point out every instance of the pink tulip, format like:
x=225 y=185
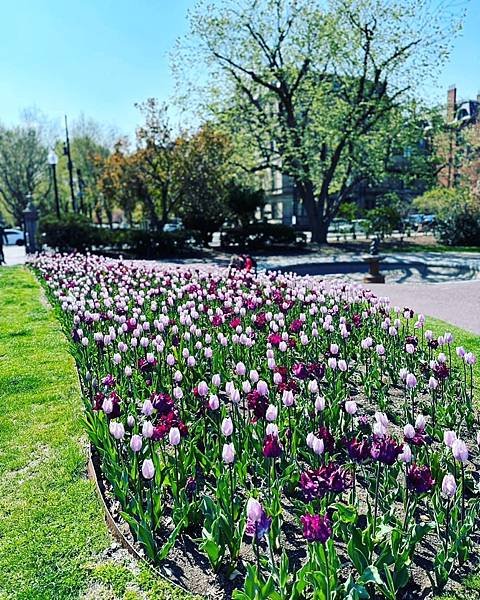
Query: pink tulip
x=136 y=443
x=174 y=436
x=227 y=426
x=147 y=429
x=254 y=510
x=460 y=450
x=271 y=413
x=202 y=388
x=228 y=453
x=449 y=437
x=411 y=380
x=449 y=486
x=350 y=407
x=148 y=470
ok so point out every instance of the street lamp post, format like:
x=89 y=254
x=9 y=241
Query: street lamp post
x=52 y=161
x=68 y=154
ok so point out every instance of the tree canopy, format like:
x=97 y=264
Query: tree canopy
x=317 y=90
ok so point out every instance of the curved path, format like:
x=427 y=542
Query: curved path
x=456 y=302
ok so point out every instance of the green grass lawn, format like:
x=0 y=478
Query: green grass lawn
x=52 y=531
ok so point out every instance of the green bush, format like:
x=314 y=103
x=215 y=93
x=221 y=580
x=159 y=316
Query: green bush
x=76 y=233
x=460 y=226
x=71 y=232
x=261 y=235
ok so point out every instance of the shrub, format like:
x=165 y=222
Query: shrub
x=75 y=232
x=261 y=235
x=71 y=232
x=460 y=226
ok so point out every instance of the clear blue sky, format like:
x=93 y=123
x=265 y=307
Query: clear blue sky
x=98 y=57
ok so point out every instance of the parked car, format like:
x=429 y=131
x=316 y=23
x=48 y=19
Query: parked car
x=340 y=226
x=172 y=226
x=14 y=237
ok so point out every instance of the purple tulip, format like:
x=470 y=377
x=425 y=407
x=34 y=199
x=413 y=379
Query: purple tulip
x=203 y=388
x=316 y=528
x=254 y=509
x=117 y=430
x=272 y=447
x=419 y=479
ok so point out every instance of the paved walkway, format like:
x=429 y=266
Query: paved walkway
x=456 y=302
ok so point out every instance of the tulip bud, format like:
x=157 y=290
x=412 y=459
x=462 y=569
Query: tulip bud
x=228 y=453
x=449 y=437
x=107 y=406
x=262 y=388
x=449 y=486
x=227 y=426
x=148 y=470
x=409 y=431
x=406 y=455
x=460 y=450
x=319 y=404
x=240 y=369
x=216 y=380
x=420 y=423
x=318 y=446
x=350 y=407
x=130 y=421
x=203 y=388
x=254 y=377
x=174 y=436
x=411 y=380
x=213 y=402
x=310 y=439
x=136 y=443
x=254 y=510
x=271 y=413
x=117 y=430
x=147 y=408
x=147 y=429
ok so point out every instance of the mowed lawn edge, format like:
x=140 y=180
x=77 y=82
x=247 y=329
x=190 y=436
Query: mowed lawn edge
x=53 y=538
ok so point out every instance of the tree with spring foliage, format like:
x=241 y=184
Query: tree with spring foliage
x=314 y=89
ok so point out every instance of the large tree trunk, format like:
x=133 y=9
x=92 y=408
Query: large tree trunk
x=318 y=223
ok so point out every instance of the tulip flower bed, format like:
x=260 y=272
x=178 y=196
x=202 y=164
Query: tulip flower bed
x=275 y=436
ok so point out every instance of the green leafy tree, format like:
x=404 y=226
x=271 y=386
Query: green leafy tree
x=243 y=201
x=23 y=168
x=204 y=180
x=316 y=91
